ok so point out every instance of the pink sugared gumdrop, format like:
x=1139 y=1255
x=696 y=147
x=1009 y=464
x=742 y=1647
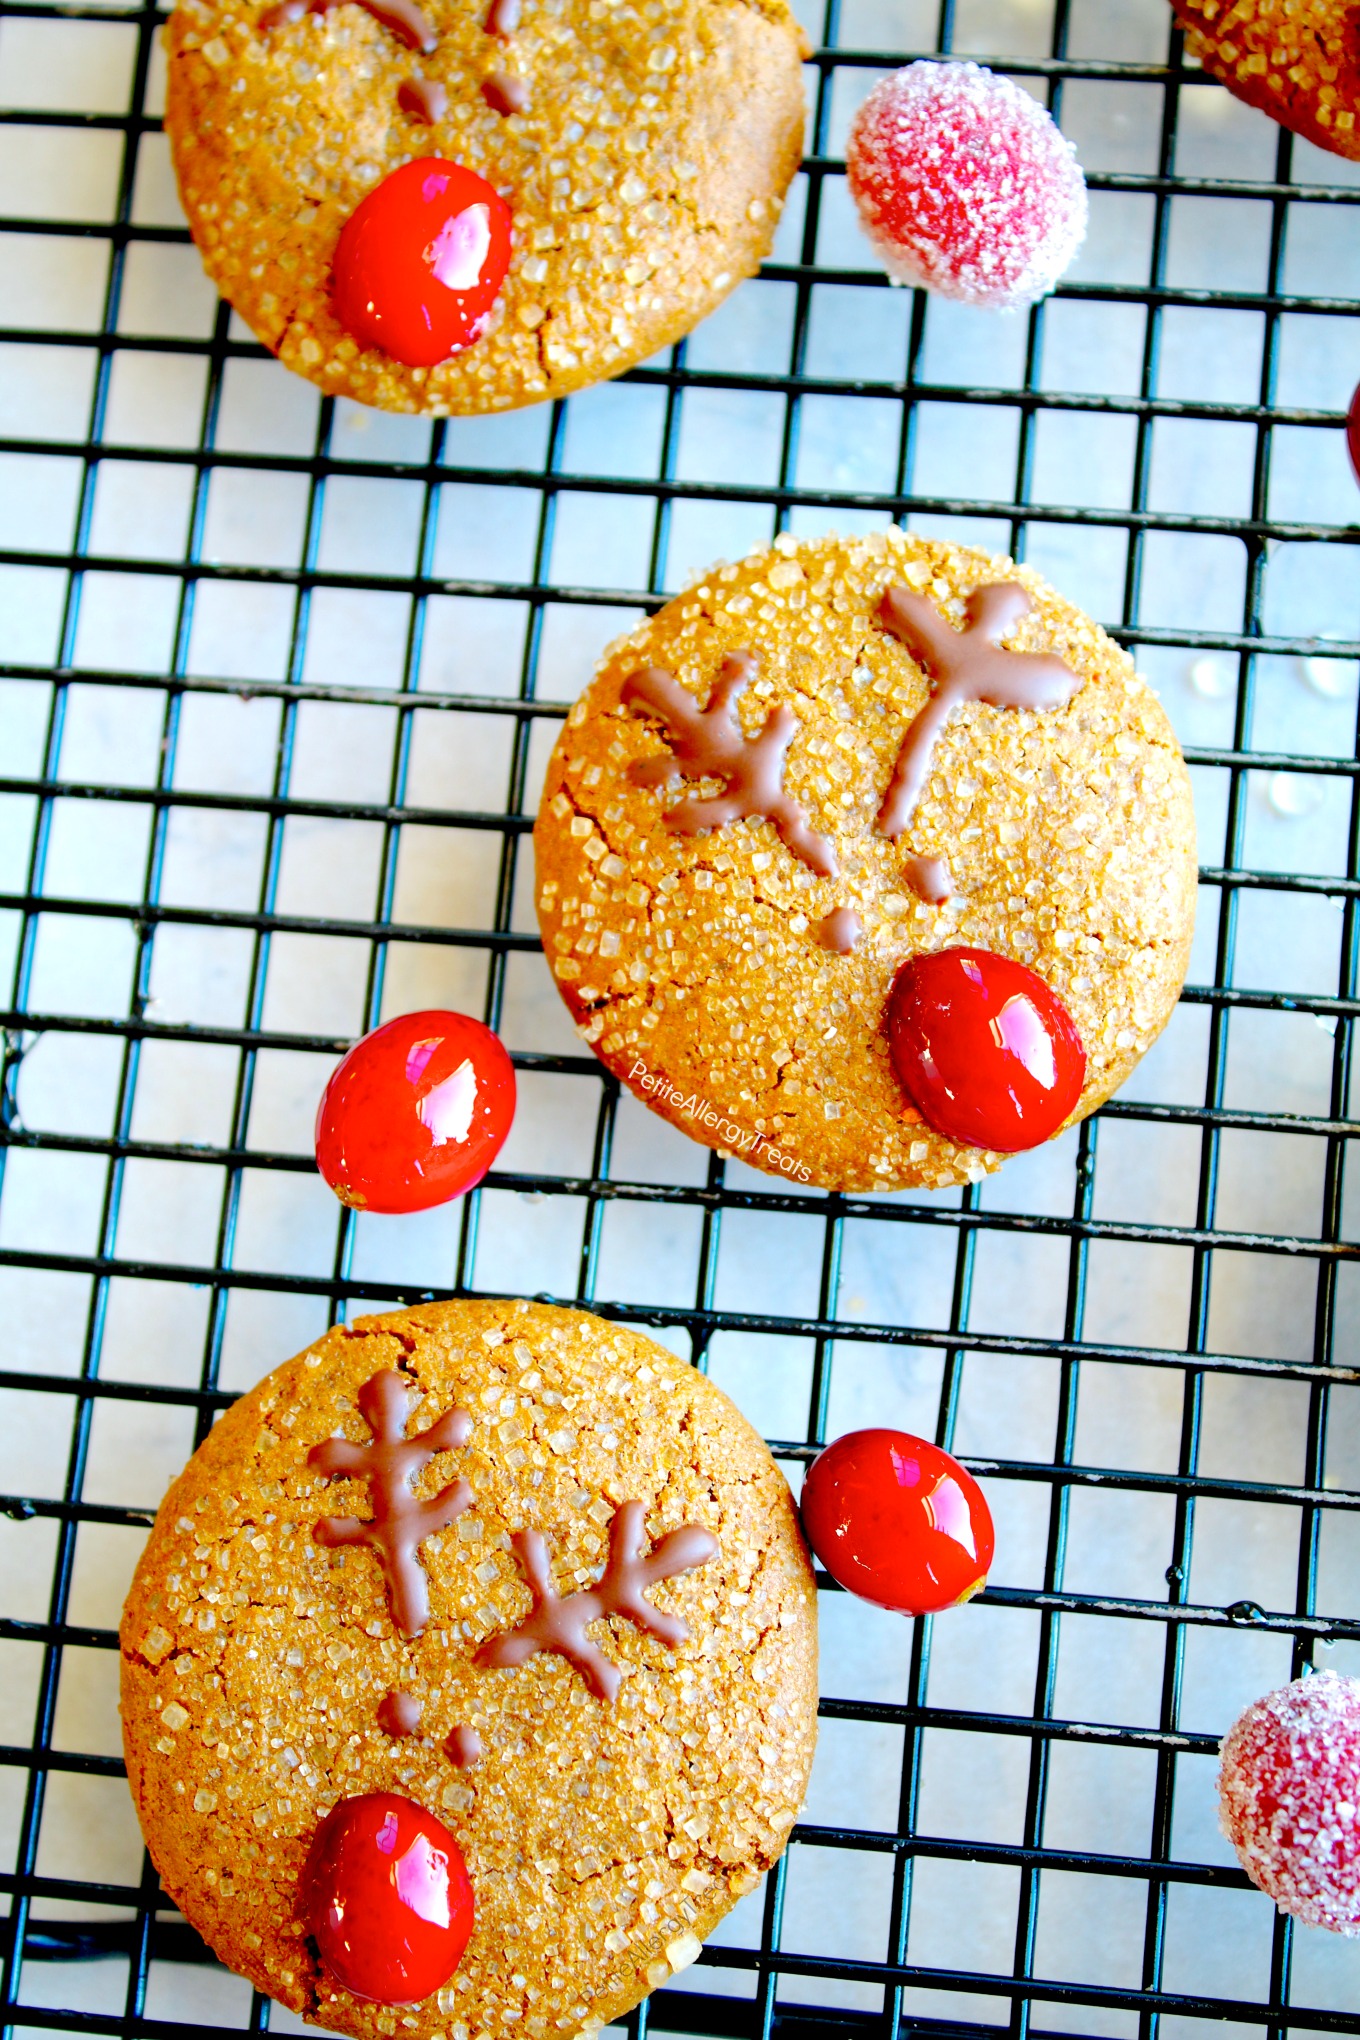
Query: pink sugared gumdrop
x=1289 y=1798
x=965 y=185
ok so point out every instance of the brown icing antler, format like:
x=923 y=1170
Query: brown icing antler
x=930 y=879
x=400 y=1522
x=963 y=665
x=559 y=1623
x=423 y=99
x=504 y=93
x=709 y=743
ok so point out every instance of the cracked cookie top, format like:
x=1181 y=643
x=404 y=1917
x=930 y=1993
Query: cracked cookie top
x=958 y=795
x=644 y=151
x=609 y=1698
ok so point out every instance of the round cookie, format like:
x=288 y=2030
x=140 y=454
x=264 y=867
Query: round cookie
x=1297 y=60
x=645 y=172
x=727 y=976
x=267 y=1675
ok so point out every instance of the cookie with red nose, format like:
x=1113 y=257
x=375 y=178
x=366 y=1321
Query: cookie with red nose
x=869 y=862
x=469 y=1673
x=457 y=208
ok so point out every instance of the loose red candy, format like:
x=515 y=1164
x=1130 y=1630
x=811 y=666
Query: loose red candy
x=385 y=1894
x=965 y=185
x=420 y=262
x=416 y=1113
x=898 y=1522
x=985 y=1050
x=1289 y=1798
x=1353 y=432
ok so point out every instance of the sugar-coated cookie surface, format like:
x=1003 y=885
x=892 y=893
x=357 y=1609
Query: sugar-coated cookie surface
x=645 y=169
x=739 y=988
x=1298 y=60
x=266 y=1675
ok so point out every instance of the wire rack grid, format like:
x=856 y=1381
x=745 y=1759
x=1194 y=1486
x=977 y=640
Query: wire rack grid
x=277 y=682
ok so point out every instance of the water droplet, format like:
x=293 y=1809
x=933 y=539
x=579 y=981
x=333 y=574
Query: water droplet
x=1334 y=679
x=1294 y=794
x=1212 y=675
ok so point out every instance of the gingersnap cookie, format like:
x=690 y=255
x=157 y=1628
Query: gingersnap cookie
x=358 y=174
x=868 y=861
x=470 y=1667
x=1297 y=60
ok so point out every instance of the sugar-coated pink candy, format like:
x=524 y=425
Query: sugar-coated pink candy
x=1289 y=1798
x=965 y=185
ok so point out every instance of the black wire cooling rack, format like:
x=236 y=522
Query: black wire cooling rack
x=770 y=1983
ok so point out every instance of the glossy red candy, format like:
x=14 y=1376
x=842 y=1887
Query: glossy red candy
x=985 y=1050
x=420 y=262
x=1353 y=432
x=416 y=1113
x=385 y=1894
x=898 y=1522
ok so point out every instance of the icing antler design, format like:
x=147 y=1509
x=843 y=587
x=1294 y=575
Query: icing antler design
x=424 y=99
x=400 y=1522
x=503 y=92
x=559 y=1622
x=963 y=665
x=709 y=743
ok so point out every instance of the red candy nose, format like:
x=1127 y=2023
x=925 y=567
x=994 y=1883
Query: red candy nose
x=421 y=261
x=385 y=1894
x=986 y=1051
